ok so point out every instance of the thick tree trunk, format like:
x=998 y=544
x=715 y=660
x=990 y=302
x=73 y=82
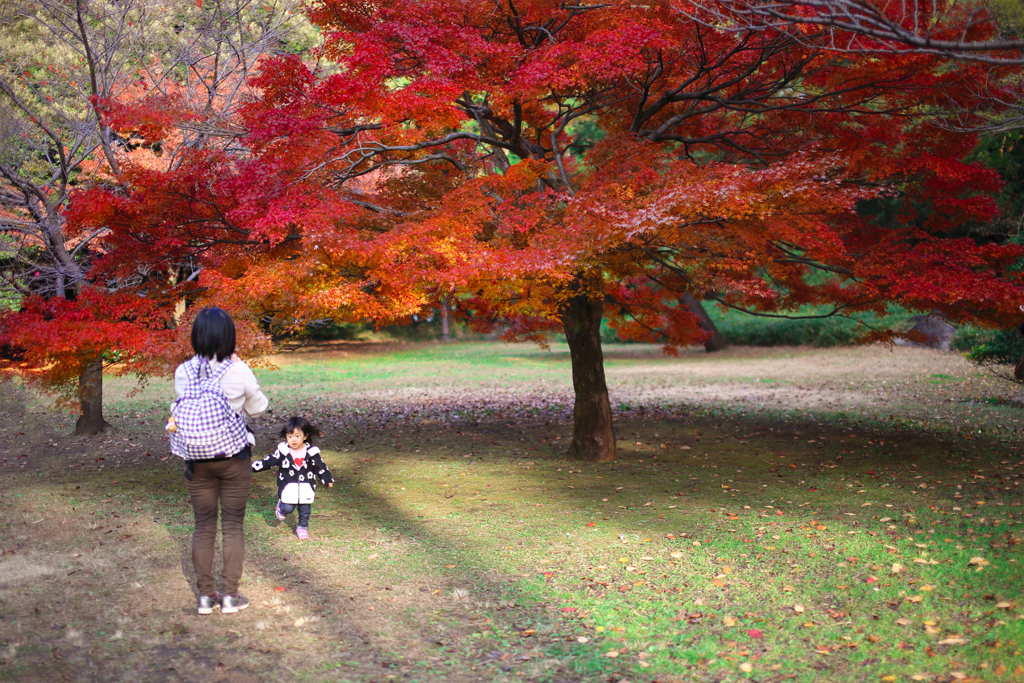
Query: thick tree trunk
x=593 y=437
x=716 y=342
x=445 y=336
x=90 y=393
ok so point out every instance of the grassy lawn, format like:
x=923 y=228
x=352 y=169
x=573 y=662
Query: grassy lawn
x=775 y=515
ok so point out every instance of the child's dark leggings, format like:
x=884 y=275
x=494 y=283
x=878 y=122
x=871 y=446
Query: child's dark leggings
x=304 y=509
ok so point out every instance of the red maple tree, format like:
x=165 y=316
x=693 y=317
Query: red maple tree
x=556 y=164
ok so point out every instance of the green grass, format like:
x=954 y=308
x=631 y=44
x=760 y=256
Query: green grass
x=460 y=545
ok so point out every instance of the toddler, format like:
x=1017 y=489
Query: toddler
x=299 y=466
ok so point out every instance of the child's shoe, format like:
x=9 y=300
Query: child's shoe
x=277 y=511
x=302 y=532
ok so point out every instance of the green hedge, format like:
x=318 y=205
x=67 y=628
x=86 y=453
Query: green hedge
x=742 y=329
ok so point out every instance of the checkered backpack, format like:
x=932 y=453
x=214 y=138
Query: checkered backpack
x=207 y=426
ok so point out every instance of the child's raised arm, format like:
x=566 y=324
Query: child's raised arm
x=269 y=461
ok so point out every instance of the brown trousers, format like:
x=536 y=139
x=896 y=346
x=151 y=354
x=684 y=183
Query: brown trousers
x=225 y=482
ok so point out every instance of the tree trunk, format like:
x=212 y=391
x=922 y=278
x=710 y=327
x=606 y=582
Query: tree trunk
x=593 y=437
x=444 y=321
x=716 y=342
x=90 y=393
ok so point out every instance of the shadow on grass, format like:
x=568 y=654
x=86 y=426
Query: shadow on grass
x=421 y=626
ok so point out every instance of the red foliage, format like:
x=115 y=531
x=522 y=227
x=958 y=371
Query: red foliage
x=521 y=153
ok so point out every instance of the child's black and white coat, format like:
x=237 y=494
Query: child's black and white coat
x=295 y=484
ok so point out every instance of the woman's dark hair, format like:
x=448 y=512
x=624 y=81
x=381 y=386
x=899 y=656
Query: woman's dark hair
x=302 y=423
x=213 y=334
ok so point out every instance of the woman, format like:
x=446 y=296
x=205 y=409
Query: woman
x=223 y=480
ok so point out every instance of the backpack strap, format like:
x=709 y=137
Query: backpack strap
x=194 y=369
x=224 y=366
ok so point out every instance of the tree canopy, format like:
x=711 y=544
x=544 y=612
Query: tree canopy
x=552 y=164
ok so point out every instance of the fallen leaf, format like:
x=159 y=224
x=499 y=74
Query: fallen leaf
x=449 y=566
x=746 y=667
x=873 y=639
x=928 y=588
x=1000 y=670
x=646 y=559
x=373 y=556
x=675 y=554
x=954 y=640
x=717 y=583
x=1004 y=604
x=871 y=579
x=611 y=653
x=583 y=639
x=903 y=621
x=299 y=622
x=787 y=589
x=978 y=561
x=799 y=609
x=728 y=621
x=888 y=678
x=1018 y=670
x=590 y=524
x=755 y=633
x=914 y=598
x=726 y=570
x=568 y=609
x=897 y=568
x=280 y=589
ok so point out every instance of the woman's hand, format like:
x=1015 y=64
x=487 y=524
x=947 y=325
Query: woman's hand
x=331 y=485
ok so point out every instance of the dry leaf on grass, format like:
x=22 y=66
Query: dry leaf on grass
x=954 y=640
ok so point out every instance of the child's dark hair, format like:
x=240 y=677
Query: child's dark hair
x=302 y=423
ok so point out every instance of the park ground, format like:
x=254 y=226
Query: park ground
x=786 y=514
